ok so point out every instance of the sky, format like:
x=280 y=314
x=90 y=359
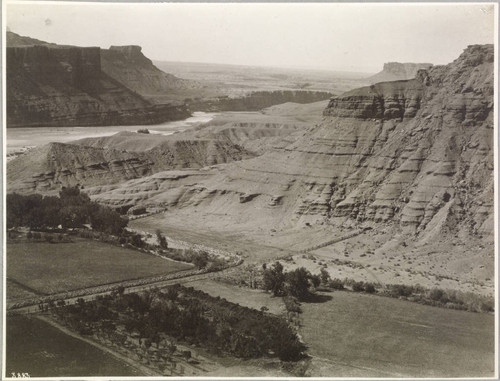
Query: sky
x=341 y=36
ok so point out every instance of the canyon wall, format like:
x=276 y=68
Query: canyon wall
x=51 y=85
x=414 y=154
x=128 y=65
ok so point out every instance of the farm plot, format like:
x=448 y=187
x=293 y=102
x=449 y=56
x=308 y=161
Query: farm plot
x=355 y=335
x=50 y=268
x=41 y=350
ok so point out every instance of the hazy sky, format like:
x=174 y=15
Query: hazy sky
x=355 y=37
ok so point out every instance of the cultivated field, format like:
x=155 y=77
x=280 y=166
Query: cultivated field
x=50 y=268
x=39 y=349
x=355 y=335
x=240 y=295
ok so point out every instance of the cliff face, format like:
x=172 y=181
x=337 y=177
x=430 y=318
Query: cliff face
x=92 y=162
x=429 y=166
x=129 y=66
x=50 y=85
x=416 y=154
x=394 y=71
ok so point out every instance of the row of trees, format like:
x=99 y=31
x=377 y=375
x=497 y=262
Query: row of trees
x=71 y=209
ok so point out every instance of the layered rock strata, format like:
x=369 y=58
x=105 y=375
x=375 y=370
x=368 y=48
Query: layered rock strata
x=50 y=85
x=417 y=154
x=47 y=168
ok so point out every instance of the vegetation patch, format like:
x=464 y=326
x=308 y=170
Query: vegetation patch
x=149 y=324
x=49 y=268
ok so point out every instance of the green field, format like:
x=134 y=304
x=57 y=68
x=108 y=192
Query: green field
x=50 y=268
x=41 y=350
x=240 y=295
x=356 y=335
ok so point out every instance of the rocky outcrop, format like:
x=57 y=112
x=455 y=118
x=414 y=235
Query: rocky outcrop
x=47 y=168
x=386 y=101
x=50 y=85
x=395 y=71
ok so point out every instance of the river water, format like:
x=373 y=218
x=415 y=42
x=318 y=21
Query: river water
x=22 y=139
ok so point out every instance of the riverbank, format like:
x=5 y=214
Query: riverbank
x=19 y=140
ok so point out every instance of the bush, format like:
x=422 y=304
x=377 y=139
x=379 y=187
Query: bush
x=143 y=131
x=200 y=259
x=292 y=304
x=358 y=286
x=336 y=284
x=370 y=288
x=436 y=294
x=400 y=290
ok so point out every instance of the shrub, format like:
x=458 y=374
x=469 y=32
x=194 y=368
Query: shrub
x=358 y=286
x=325 y=276
x=336 y=284
x=436 y=294
x=292 y=304
x=370 y=288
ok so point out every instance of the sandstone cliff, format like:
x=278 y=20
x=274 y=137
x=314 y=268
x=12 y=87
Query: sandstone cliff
x=394 y=71
x=91 y=162
x=416 y=155
x=129 y=66
x=51 y=85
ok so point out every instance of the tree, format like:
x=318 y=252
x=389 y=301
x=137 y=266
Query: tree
x=315 y=280
x=274 y=279
x=136 y=240
x=298 y=282
x=162 y=241
x=106 y=220
x=200 y=259
x=325 y=276
x=121 y=290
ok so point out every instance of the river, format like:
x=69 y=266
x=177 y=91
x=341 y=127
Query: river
x=22 y=139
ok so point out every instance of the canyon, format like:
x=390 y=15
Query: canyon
x=61 y=85
x=412 y=158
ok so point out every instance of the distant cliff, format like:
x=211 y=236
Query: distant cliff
x=257 y=100
x=129 y=66
x=51 y=85
x=395 y=71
